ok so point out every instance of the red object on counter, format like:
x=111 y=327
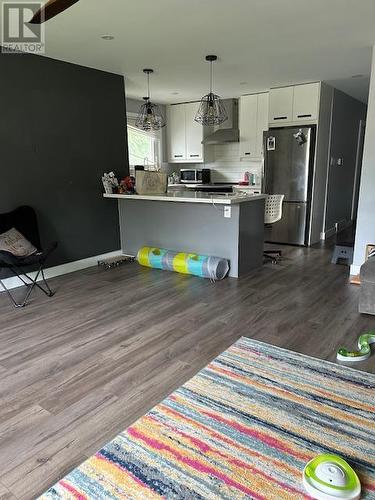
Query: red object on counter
x=127 y=185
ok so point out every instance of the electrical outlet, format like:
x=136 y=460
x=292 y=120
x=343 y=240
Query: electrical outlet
x=227 y=212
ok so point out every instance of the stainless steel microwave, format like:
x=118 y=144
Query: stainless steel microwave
x=195 y=175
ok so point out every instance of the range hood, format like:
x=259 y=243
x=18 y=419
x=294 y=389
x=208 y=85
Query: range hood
x=227 y=131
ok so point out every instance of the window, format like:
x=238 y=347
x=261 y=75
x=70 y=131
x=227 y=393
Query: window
x=144 y=147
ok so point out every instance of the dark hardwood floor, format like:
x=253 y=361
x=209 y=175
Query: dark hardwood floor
x=77 y=369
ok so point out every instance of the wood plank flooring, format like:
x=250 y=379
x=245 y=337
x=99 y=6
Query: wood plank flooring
x=75 y=370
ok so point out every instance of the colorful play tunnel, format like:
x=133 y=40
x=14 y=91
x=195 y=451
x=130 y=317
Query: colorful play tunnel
x=203 y=266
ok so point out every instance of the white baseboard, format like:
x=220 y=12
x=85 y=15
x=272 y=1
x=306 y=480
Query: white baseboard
x=327 y=234
x=70 y=267
x=354 y=270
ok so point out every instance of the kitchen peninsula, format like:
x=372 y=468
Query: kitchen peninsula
x=229 y=226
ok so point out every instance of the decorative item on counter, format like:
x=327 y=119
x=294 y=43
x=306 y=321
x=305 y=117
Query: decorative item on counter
x=110 y=182
x=252 y=179
x=174 y=178
x=246 y=179
x=150 y=182
x=127 y=185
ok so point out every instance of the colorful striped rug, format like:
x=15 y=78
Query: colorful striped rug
x=244 y=427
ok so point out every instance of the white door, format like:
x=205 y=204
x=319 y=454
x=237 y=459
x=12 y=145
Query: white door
x=262 y=121
x=306 y=102
x=194 y=134
x=176 y=133
x=248 y=126
x=281 y=105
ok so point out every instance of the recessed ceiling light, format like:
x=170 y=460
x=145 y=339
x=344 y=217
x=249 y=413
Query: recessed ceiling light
x=358 y=76
x=107 y=37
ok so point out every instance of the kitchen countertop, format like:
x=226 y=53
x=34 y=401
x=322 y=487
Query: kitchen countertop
x=191 y=197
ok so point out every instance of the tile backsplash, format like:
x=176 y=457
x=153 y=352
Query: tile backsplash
x=226 y=165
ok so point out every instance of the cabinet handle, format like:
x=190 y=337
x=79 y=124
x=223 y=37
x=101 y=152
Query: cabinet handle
x=247 y=154
x=178 y=156
x=280 y=117
x=304 y=116
x=194 y=156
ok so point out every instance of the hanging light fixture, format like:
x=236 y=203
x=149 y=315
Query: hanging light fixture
x=149 y=116
x=211 y=110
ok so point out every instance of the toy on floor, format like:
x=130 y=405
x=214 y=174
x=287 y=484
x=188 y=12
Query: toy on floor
x=203 y=266
x=364 y=352
x=329 y=477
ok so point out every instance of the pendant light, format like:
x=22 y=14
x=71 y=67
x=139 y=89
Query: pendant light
x=149 y=116
x=211 y=110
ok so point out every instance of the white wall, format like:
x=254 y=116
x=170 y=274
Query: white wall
x=366 y=210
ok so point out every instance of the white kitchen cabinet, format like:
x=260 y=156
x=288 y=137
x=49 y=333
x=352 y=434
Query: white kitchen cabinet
x=253 y=121
x=194 y=133
x=184 y=134
x=176 y=133
x=293 y=105
x=262 y=120
x=281 y=105
x=247 y=124
x=306 y=102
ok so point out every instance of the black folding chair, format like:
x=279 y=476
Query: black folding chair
x=25 y=221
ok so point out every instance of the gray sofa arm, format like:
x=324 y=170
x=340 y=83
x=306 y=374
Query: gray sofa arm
x=367 y=293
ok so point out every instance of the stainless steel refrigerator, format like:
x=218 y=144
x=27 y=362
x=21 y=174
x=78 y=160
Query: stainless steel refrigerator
x=288 y=170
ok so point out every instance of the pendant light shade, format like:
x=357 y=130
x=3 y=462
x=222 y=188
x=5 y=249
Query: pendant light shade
x=211 y=109
x=149 y=116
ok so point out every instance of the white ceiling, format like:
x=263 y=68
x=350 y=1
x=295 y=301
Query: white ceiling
x=260 y=43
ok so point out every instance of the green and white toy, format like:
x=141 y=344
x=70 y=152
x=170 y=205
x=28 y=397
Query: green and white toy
x=364 y=352
x=329 y=477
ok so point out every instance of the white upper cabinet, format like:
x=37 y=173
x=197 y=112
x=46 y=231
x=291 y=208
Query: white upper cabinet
x=176 y=132
x=247 y=124
x=184 y=134
x=253 y=121
x=194 y=133
x=296 y=104
x=262 y=121
x=281 y=105
x=306 y=102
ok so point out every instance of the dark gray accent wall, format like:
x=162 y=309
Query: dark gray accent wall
x=61 y=127
x=347 y=114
